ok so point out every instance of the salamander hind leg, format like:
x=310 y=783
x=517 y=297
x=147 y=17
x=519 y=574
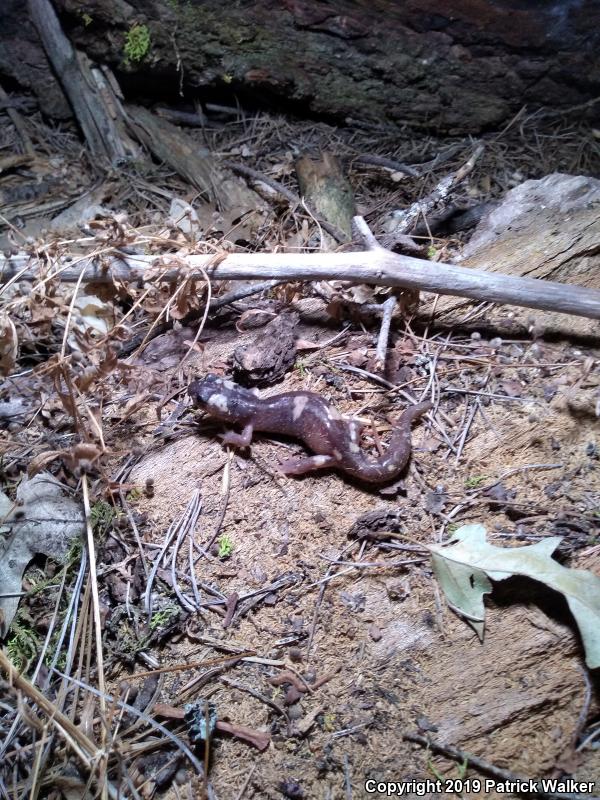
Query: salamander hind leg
x=303 y=464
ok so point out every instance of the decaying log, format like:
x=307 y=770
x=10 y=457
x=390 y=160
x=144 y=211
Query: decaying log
x=95 y=97
x=183 y=154
x=545 y=229
x=461 y=66
x=327 y=190
x=376 y=266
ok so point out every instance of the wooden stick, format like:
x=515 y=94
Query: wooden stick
x=384 y=334
x=379 y=267
x=401 y=222
x=97 y=111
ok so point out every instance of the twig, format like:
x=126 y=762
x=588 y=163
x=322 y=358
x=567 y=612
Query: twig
x=247 y=290
x=384 y=334
x=506 y=398
x=134 y=528
x=255 y=175
x=313 y=625
x=240 y=293
x=246 y=783
x=585 y=708
x=191 y=512
x=291 y=197
x=263 y=699
x=18 y=122
x=465 y=432
x=386 y=163
x=91 y=546
x=499 y=774
x=401 y=222
x=136 y=712
x=84 y=747
x=376 y=266
x=347 y=780
x=259 y=739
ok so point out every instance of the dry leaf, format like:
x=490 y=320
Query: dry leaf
x=464 y=568
x=9 y=345
x=44 y=520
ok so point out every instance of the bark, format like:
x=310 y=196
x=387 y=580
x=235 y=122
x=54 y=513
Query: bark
x=459 y=66
x=327 y=190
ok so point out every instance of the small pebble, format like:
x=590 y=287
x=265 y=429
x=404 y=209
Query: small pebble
x=475 y=336
x=397 y=591
x=374 y=632
x=290 y=787
x=182 y=777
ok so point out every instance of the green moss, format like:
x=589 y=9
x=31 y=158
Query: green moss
x=162 y=618
x=102 y=515
x=225 y=546
x=475 y=481
x=134 y=495
x=137 y=43
x=23 y=643
x=300 y=366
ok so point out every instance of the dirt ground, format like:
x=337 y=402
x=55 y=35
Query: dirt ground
x=365 y=615
x=322 y=634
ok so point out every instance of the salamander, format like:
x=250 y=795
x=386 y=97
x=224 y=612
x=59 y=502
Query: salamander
x=306 y=416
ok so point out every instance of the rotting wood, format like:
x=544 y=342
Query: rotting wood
x=86 y=87
x=328 y=191
x=290 y=196
x=400 y=223
x=179 y=151
x=376 y=266
x=373 y=61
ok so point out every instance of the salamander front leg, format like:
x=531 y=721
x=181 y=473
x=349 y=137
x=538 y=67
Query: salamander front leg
x=242 y=439
x=300 y=465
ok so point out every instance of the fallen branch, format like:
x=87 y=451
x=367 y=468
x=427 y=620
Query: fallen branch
x=376 y=266
x=91 y=93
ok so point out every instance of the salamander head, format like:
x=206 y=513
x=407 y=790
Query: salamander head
x=220 y=397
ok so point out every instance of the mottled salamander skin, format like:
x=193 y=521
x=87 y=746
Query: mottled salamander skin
x=305 y=416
